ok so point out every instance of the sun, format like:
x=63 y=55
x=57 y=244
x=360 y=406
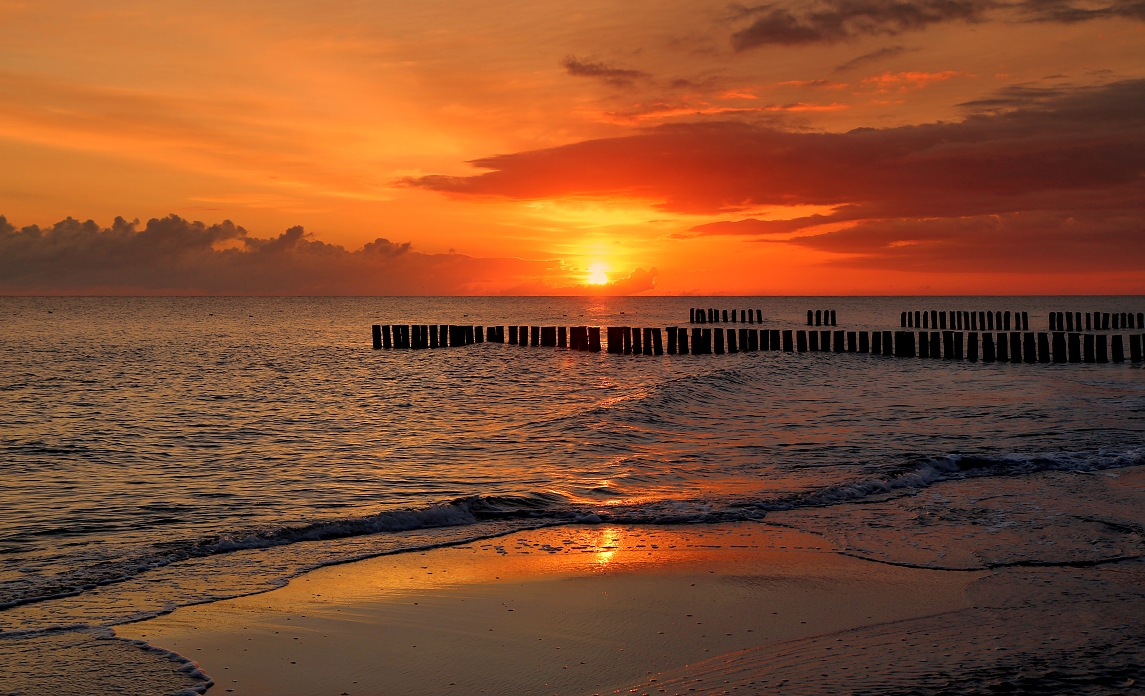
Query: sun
x=597 y=275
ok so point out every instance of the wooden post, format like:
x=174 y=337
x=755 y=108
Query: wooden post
x=876 y=343
x=1058 y=351
x=707 y=339
x=594 y=339
x=1141 y=320
x=1102 y=348
x=902 y=319
x=1135 y=347
x=657 y=342
x=692 y=315
x=549 y=336
x=479 y=334
x=1090 y=349
x=888 y=343
x=562 y=337
x=801 y=341
x=725 y=315
x=615 y=340
x=743 y=342
x=732 y=346
x=759 y=316
x=750 y=316
x=813 y=340
x=682 y=342
x=833 y=322
x=1105 y=321
x=1003 y=348
x=852 y=341
x=697 y=342
x=770 y=338
x=1088 y=322
x=671 y=340
x=988 y=352
x=972 y=346
x=626 y=339
x=1029 y=348
x=1116 y=321
x=637 y=344
x=837 y=342
x=433 y=334
x=718 y=341
x=1074 y=347
x=1043 y=347
x=864 y=342
x=386 y=343
x=376 y=329
x=761 y=339
x=1025 y=321
x=513 y=335
x=948 y=344
x=1015 y=346
x=818 y=317
x=935 y=344
x=923 y=344
x=734 y=316
x=942 y=321
x=1118 y=349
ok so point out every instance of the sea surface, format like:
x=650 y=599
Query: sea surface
x=158 y=452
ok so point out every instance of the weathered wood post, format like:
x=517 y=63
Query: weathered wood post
x=733 y=347
x=1141 y=320
x=864 y=342
x=743 y=342
x=1105 y=321
x=386 y=341
x=902 y=319
x=1057 y=347
x=1090 y=349
x=837 y=341
x=1043 y=347
x=988 y=352
x=594 y=339
x=1069 y=322
x=787 y=342
x=759 y=316
x=942 y=321
x=770 y=338
x=479 y=334
x=1029 y=348
x=948 y=344
x=852 y=341
x=562 y=337
x=535 y=336
x=672 y=340
x=718 y=341
x=615 y=339
x=725 y=315
x=706 y=336
x=1025 y=321
x=697 y=342
x=637 y=347
x=376 y=329
x=750 y=316
x=1073 y=347
x=682 y=342
x=657 y=342
x=1003 y=348
x=818 y=317
x=433 y=334
x=813 y=340
x=972 y=346
x=549 y=336
x=1102 y=348
x=935 y=344
x=876 y=343
x=833 y=322
x=692 y=315
x=626 y=339
x=1135 y=347
x=513 y=335
x=923 y=344
x=1118 y=349
x=1015 y=346
x=888 y=343
x=801 y=341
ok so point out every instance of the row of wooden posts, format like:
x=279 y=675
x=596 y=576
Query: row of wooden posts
x=700 y=315
x=1096 y=321
x=1014 y=346
x=824 y=317
x=964 y=321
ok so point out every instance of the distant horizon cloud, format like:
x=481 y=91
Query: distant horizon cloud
x=176 y=256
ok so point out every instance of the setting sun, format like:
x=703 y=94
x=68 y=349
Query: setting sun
x=597 y=275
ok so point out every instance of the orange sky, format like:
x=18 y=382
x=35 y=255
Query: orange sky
x=1006 y=150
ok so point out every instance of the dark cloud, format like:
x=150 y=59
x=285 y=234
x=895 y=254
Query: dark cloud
x=1063 y=155
x=176 y=256
x=617 y=77
x=830 y=21
x=872 y=57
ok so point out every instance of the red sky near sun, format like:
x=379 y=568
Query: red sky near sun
x=830 y=147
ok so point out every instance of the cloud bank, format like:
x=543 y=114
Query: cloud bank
x=172 y=255
x=1063 y=171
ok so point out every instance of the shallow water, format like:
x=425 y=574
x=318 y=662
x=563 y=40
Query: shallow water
x=162 y=451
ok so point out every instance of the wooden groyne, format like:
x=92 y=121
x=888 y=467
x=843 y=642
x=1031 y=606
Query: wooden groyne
x=701 y=315
x=1095 y=321
x=944 y=344
x=957 y=320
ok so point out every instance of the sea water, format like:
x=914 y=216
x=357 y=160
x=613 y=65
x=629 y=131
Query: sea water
x=158 y=452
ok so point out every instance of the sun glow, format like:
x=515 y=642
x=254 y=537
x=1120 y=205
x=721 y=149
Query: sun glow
x=597 y=274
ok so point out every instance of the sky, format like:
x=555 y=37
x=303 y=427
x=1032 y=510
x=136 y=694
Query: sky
x=825 y=147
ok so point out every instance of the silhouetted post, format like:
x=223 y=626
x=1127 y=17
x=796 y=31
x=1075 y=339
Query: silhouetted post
x=935 y=344
x=902 y=319
x=948 y=344
x=852 y=341
x=1088 y=322
x=732 y=346
x=1105 y=321
x=973 y=322
x=1116 y=321
x=672 y=340
x=837 y=341
x=377 y=334
x=818 y=317
x=926 y=320
x=1003 y=348
x=682 y=342
x=864 y=342
x=562 y=337
x=988 y=352
x=770 y=339
x=479 y=334
x=385 y=335
x=415 y=339
x=759 y=316
x=549 y=336
x=1015 y=345
x=1043 y=347
x=908 y=345
x=718 y=340
x=692 y=315
x=1135 y=347
x=888 y=343
x=657 y=342
x=750 y=316
x=1141 y=320
x=512 y=335
x=1025 y=321
x=615 y=339
x=942 y=320
x=707 y=339
x=733 y=316
x=594 y=339
x=1090 y=349
x=697 y=342
x=743 y=344
x=972 y=346
x=626 y=340
x=923 y=344
x=1074 y=347
x=433 y=337
x=535 y=336
x=1029 y=348
x=801 y=341
x=787 y=342
x=1058 y=349
x=876 y=343
x=1102 y=348
x=761 y=339
x=813 y=340
x=637 y=343
x=1118 y=349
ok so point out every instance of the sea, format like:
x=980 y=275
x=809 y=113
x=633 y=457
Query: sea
x=165 y=451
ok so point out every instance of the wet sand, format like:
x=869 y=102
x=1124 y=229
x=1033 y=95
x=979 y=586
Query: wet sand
x=564 y=610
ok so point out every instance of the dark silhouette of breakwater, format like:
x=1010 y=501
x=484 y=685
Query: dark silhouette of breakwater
x=1016 y=346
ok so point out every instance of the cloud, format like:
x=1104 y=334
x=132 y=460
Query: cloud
x=872 y=57
x=831 y=21
x=172 y=255
x=617 y=77
x=1068 y=155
